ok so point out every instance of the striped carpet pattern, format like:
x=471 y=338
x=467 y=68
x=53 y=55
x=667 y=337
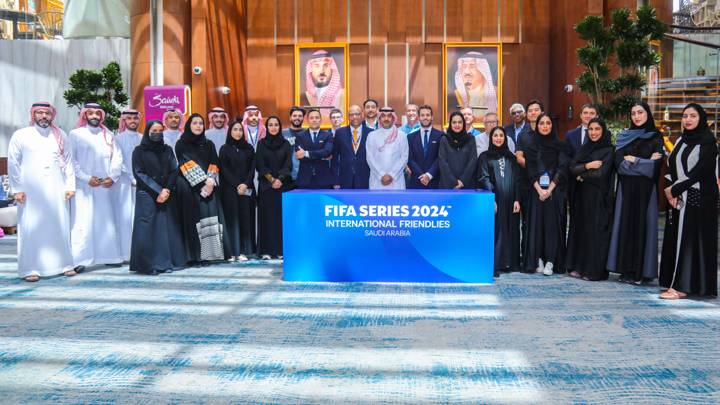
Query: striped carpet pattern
x=236 y=333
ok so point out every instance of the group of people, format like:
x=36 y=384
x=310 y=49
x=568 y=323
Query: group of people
x=185 y=193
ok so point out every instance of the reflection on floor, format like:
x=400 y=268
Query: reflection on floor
x=238 y=333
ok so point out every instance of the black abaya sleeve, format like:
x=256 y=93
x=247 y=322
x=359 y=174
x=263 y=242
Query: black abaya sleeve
x=604 y=170
x=467 y=176
x=144 y=180
x=706 y=163
x=226 y=174
x=445 y=171
x=286 y=167
x=250 y=175
x=483 y=173
x=262 y=169
x=172 y=177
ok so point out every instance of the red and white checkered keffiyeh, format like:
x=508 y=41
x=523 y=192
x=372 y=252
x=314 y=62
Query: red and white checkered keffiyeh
x=329 y=97
x=83 y=121
x=261 y=128
x=394 y=134
x=170 y=111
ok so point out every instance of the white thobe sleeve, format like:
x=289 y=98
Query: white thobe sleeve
x=72 y=146
x=116 y=163
x=14 y=162
x=371 y=154
x=69 y=170
x=398 y=167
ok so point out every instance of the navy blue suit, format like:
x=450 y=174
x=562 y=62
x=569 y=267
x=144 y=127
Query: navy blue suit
x=421 y=161
x=574 y=141
x=350 y=168
x=315 y=169
x=510 y=131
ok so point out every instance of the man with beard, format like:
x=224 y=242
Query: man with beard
x=519 y=126
x=387 y=153
x=411 y=113
x=424 y=147
x=323 y=84
x=474 y=85
x=254 y=132
x=217 y=132
x=98 y=165
x=297 y=116
x=370 y=108
x=349 y=161
x=124 y=191
x=173 y=121
x=42 y=179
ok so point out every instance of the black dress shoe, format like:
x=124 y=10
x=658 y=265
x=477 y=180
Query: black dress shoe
x=79 y=269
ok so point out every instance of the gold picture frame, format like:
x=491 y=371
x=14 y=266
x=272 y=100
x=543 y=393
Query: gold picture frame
x=452 y=97
x=306 y=98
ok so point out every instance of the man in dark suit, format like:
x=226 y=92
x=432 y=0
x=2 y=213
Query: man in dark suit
x=349 y=160
x=576 y=137
x=424 y=146
x=519 y=126
x=313 y=148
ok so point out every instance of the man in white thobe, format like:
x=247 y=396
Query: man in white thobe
x=42 y=180
x=218 y=130
x=127 y=139
x=252 y=125
x=387 y=153
x=98 y=165
x=173 y=121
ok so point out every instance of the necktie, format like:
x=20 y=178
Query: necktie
x=583 y=136
x=314 y=136
x=355 y=140
x=425 y=141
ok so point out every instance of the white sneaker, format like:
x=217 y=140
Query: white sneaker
x=540 y=267
x=548 y=269
x=265 y=257
x=242 y=258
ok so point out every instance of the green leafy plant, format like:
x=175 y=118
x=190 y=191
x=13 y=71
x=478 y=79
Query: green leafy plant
x=616 y=57
x=104 y=86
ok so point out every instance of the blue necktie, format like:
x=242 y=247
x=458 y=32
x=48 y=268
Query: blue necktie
x=314 y=135
x=425 y=141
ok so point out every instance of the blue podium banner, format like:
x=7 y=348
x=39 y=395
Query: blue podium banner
x=438 y=236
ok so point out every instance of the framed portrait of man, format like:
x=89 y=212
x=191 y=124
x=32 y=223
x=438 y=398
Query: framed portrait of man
x=472 y=78
x=321 y=78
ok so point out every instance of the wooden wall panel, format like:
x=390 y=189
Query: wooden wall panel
x=396 y=57
x=359 y=56
x=359 y=22
x=284 y=82
x=411 y=21
x=488 y=23
x=376 y=72
x=262 y=78
x=454 y=13
x=260 y=21
x=285 y=22
x=337 y=20
x=509 y=21
x=380 y=18
x=306 y=20
x=434 y=30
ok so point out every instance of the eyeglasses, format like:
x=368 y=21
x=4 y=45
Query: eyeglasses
x=515 y=112
x=491 y=122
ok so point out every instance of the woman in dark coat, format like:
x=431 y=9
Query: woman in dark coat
x=202 y=217
x=457 y=160
x=546 y=163
x=634 y=240
x=591 y=211
x=274 y=164
x=237 y=192
x=157 y=244
x=689 y=255
x=497 y=171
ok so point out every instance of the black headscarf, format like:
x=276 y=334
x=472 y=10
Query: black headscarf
x=701 y=135
x=496 y=152
x=590 y=150
x=191 y=138
x=547 y=147
x=146 y=143
x=644 y=131
x=273 y=142
x=457 y=139
x=649 y=125
x=241 y=143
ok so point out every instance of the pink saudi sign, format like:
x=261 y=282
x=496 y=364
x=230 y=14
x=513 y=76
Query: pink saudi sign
x=159 y=99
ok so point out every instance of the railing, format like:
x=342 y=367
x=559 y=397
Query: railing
x=45 y=25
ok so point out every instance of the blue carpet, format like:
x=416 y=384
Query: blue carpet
x=238 y=334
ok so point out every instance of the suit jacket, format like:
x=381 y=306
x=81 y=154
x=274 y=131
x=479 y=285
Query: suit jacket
x=314 y=171
x=421 y=163
x=572 y=138
x=350 y=168
x=510 y=131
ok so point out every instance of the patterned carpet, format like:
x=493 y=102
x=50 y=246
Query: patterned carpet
x=239 y=334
